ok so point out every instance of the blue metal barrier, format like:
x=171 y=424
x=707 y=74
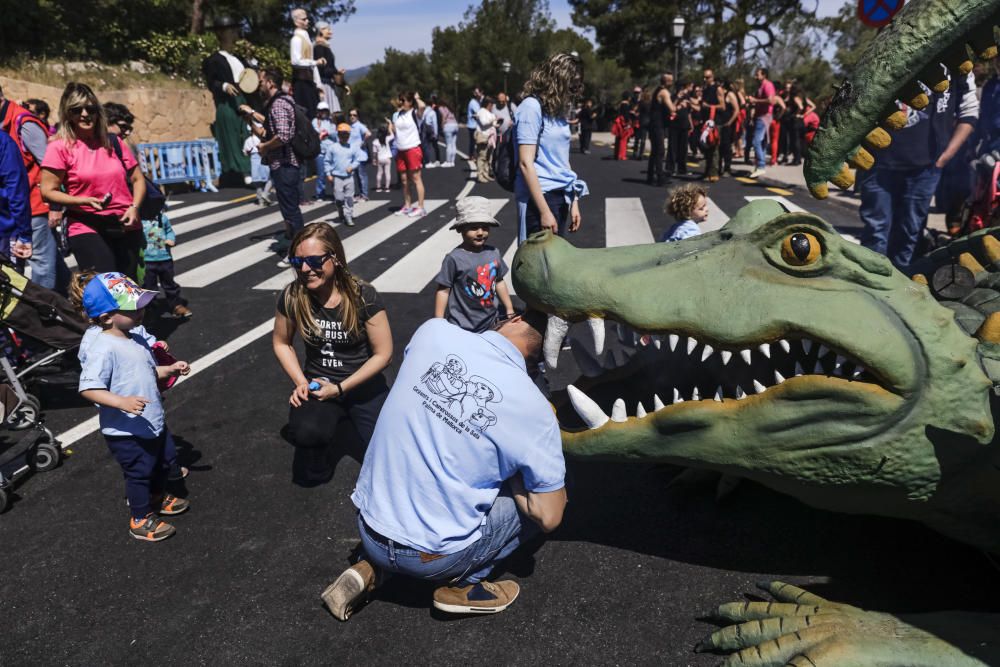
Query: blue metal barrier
x=194 y=162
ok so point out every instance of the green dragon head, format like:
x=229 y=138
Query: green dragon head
x=783 y=353
x=908 y=52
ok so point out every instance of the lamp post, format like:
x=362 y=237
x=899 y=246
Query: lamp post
x=454 y=100
x=506 y=70
x=678 y=32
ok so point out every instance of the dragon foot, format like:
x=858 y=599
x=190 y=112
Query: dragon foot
x=800 y=629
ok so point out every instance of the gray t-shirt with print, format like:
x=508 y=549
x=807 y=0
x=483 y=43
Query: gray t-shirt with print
x=472 y=278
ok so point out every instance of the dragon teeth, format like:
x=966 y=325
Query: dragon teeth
x=677 y=396
x=818 y=369
x=718 y=394
x=640 y=411
x=657 y=342
x=758 y=387
x=695 y=396
x=765 y=349
x=657 y=403
x=785 y=345
x=589 y=411
x=839 y=361
x=707 y=352
x=746 y=356
x=858 y=371
x=778 y=378
x=726 y=356
x=798 y=369
x=740 y=394
x=673 y=339
x=806 y=346
x=618 y=412
x=692 y=343
x=822 y=351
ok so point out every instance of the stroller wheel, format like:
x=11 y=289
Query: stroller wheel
x=44 y=456
x=26 y=414
x=3 y=500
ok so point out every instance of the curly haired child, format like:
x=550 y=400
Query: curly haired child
x=688 y=205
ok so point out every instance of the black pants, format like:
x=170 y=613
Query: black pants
x=287 y=180
x=556 y=201
x=679 y=150
x=472 y=143
x=585 y=134
x=102 y=252
x=654 y=168
x=640 y=141
x=796 y=139
x=726 y=135
x=306 y=95
x=161 y=274
x=312 y=427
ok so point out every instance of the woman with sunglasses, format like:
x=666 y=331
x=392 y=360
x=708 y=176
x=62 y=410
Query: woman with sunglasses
x=409 y=156
x=102 y=191
x=546 y=188
x=348 y=344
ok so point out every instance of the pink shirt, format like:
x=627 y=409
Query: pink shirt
x=91 y=171
x=766 y=90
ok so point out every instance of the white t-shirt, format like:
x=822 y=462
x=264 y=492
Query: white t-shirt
x=407 y=134
x=234 y=64
x=382 y=153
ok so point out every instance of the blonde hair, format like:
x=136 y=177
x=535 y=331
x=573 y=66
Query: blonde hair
x=684 y=200
x=556 y=83
x=78 y=283
x=76 y=95
x=298 y=300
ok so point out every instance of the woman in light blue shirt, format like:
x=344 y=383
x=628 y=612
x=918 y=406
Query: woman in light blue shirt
x=546 y=188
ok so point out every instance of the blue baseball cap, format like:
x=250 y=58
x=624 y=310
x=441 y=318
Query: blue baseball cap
x=108 y=292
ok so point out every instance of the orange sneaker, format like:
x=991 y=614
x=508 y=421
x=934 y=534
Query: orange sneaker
x=171 y=504
x=150 y=528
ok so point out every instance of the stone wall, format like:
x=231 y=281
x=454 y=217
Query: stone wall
x=161 y=114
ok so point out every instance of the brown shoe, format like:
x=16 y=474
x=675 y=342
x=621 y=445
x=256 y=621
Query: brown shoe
x=483 y=598
x=350 y=589
x=150 y=529
x=171 y=504
x=182 y=312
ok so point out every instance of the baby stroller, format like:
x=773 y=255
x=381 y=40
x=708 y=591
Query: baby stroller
x=37 y=328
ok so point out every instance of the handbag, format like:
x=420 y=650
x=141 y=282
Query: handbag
x=155 y=201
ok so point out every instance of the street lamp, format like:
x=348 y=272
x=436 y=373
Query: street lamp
x=506 y=70
x=455 y=99
x=678 y=31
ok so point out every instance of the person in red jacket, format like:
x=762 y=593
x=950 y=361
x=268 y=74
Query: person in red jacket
x=622 y=130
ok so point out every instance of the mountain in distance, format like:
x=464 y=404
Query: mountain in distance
x=356 y=74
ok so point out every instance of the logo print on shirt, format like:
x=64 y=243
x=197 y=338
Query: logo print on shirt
x=483 y=288
x=465 y=399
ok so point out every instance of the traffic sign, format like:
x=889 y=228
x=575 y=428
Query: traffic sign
x=878 y=13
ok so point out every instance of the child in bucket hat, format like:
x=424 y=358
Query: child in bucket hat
x=119 y=375
x=471 y=280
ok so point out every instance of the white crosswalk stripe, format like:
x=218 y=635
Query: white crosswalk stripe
x=411 y=274
x=210 y=272
x=717 y=218
x=508 y=259
x=362 y=240
x=625 y=222
x=178 y=212
x=189 y=226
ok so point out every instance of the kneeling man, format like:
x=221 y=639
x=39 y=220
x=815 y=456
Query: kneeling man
x=454 y=481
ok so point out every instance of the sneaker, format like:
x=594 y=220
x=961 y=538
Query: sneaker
x=416 y=212
x=150 y=529
x=483 y=598
x=171 y=505
x=758 y=172
x=182 y=312
x=349 y=222
x=432 y=165
x=349 y=590
x=284 y=264
x=405 y=210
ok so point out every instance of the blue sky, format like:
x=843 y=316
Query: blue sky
x=407 y=24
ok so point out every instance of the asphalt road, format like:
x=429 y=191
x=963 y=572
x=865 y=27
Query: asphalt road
x=623 y=581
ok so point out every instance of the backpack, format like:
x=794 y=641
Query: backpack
x=154 y=202
x=505 y=158
x=305 y=141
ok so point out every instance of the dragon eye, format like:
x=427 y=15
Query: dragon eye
x=800 y=249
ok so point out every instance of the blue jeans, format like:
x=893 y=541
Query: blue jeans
x=450 y=142
x=504 y=531
x=361 y=180
x=760 y=127
x=44 y=253
x=287 y=180
x=894 y=207
x=320 y=174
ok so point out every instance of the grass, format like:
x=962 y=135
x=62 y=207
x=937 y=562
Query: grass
x=101 y=76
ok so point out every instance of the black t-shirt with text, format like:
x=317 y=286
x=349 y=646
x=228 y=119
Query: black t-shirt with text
x=336 y=353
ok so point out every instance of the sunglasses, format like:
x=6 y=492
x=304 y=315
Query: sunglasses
x=314 y=262
x=91 y=109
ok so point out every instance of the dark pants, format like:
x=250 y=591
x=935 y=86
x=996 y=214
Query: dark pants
x=726 y=136
x=585 y=134
x=287 y=179
x=654 y=168
x=161 y=274
x=145 y=469
x=431 y=150
x=640 y=141
x=556 y=200
x=472 y=143
x=312 y=427
x=679 y=150
x=306 y=95
x=104 y=252
x=894 y=207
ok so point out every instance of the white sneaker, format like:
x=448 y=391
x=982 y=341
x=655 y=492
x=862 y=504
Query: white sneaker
x=405 y=210
x=432 y=165
x=757 y=173
x=284 y=264
x=416 y=212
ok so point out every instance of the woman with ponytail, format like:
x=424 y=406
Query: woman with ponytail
x=348 y=344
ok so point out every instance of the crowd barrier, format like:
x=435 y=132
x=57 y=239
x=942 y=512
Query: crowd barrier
x=195 y=162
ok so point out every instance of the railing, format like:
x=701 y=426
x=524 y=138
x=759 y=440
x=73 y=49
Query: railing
x=194 y=162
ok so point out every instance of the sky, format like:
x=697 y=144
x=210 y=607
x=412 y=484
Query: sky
x=407 y=25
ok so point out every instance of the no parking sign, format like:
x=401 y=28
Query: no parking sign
x=878 y=13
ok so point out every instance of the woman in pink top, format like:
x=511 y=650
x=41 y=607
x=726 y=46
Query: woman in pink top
x=102 y=191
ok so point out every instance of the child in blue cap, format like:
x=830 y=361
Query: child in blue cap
x=119 y=375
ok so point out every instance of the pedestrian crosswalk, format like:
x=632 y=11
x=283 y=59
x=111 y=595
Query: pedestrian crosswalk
x=218 y=240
